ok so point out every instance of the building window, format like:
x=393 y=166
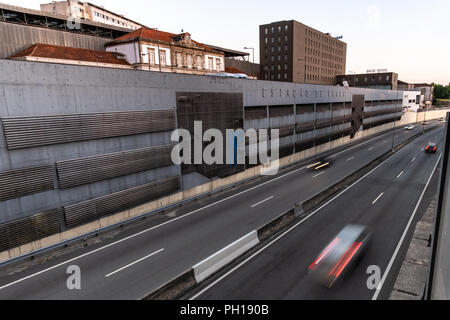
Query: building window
x=265 y=31
x=179 y=60
x=162 y=57
x=189 y=61
x=272 y=29
x=199 y=62
x=218 y=65
x=210 y=63
x=151 y=55
x=286 y=27
x=279 y=28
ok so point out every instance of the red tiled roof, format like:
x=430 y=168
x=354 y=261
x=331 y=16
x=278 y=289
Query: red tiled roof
x=69 y=53
x=152 y=34
x=233 y=70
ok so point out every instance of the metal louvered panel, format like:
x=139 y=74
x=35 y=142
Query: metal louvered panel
x=72 y=173
x=320 y=124
x=95 y=208
x=23 y=182
x=305 y=127
x=304 y=108
x=24 y=132
x=285 y=131
x=281 y=111
x=376 y=113
x=19 y=232
x=252 y=113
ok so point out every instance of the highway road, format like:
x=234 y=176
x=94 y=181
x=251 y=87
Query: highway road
x=131 y=263
x=386 y=200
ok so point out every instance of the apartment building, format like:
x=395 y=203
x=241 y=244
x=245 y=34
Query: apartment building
x=293 y=52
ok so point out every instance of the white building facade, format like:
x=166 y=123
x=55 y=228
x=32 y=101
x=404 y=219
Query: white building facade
x=89 y=11
x=150 y=49
x=412 y=100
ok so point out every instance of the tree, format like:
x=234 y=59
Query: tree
x=441 y=92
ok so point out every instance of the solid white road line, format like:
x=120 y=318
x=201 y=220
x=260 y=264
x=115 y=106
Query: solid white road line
x=319 y=174
x=370 y=149
x=400 y=243
x=133 y=263
x=401 y=173
x=350 y=159
x=288 y=231
x=414 y=159
x=379 y=197
x=257 y=204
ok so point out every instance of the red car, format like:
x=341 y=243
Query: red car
x=344 y=251
x=431 y=148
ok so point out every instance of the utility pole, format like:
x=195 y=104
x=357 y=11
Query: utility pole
x=159 y=52
x=395 y=119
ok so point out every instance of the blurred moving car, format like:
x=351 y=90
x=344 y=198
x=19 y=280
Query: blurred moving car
x=409 y=128
x=343 y=252
x=230 y=75
x=431 y=148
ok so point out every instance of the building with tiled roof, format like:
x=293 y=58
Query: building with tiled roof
x=155 y=50
x=67 y=55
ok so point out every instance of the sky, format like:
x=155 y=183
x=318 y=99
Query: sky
x=409 y=37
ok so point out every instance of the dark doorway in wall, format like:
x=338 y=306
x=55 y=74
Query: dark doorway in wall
x=216 y=110
x=357 y=113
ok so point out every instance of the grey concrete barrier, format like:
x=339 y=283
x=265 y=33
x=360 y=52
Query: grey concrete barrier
x=217 y=261
x=174 y=288
x=276 y=225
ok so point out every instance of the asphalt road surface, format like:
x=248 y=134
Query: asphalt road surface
x=386 y=201
x=132 y=263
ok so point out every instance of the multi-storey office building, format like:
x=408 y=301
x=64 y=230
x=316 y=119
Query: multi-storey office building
x=293 y=52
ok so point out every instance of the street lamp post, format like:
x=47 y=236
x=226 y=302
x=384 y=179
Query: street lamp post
x=159 y=52
x=253 y=52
